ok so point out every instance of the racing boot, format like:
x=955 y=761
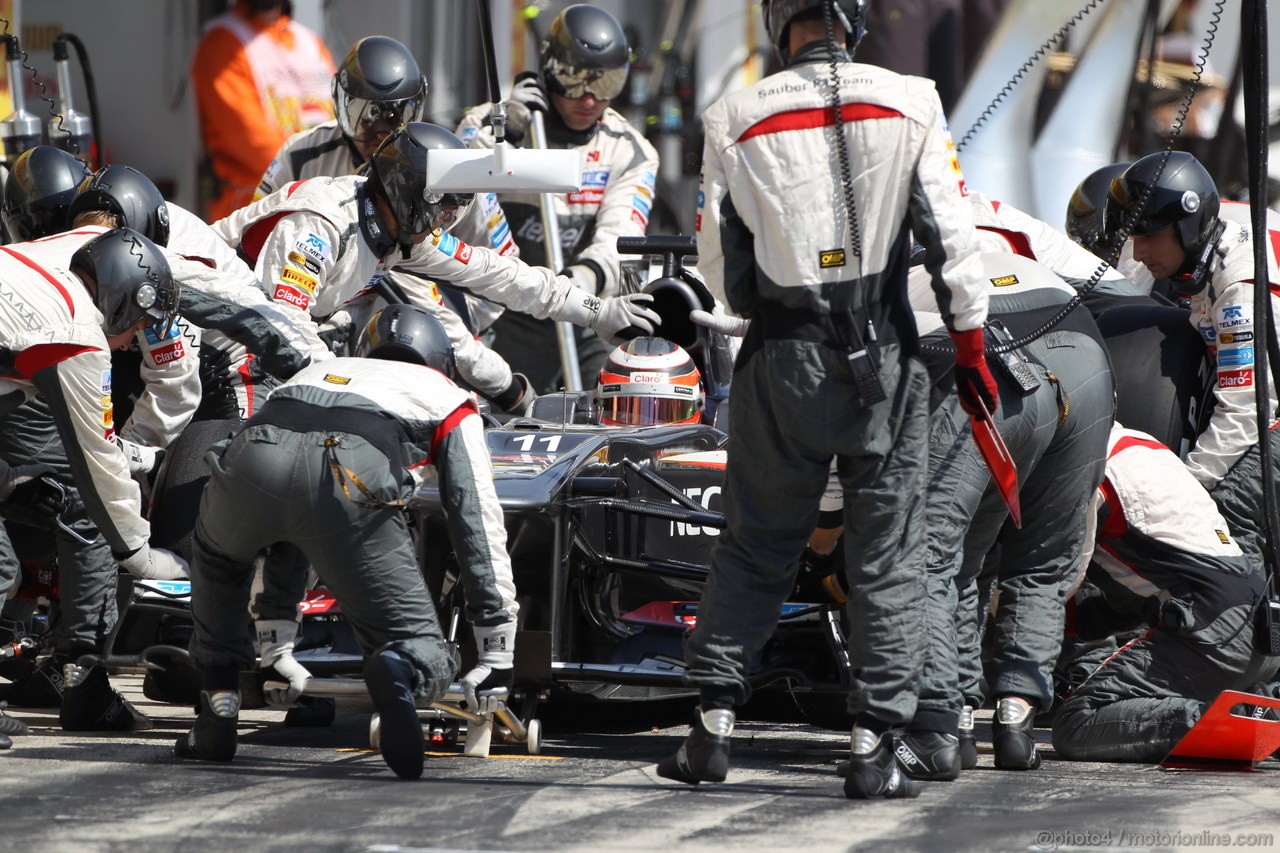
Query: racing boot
x=704 y=754
x=873 y=769
x=389 y=678
x=213 y=737
x=928 y=755
x=968 y=740
x=41 y=688
x=1013 y=734
x=9 y=726
x=91 y=704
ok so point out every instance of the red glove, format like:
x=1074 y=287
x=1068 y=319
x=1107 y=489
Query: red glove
x=974 y=382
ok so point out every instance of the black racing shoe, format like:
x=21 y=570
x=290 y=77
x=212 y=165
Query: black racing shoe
x=927 y=755
x=389 y=678
x=5 y=741
x=874 y=771
x=41 y=688
x=91 y=704
x=704 y=754
x=10 y=726
x=968 y=740
x=213 y=737
x=311 y=712
x=1013 y=735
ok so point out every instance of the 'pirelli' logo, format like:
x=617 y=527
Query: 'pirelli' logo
x=831 y=258
x=1004 y=280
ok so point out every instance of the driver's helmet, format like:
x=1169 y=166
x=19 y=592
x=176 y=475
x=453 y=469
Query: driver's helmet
x=649 y=381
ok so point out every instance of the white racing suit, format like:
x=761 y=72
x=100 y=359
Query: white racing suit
x=1004 y=228
x=774 y=247
x=167 y=387
x=1226 y=459
x=317 y=475
x=319 y=244
x=323 y=151
x=247 y=336
x=619 y=169
x=51 y=344
x=1164 y=558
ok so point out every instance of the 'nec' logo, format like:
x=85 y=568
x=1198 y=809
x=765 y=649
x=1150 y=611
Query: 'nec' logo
x=1232 y=311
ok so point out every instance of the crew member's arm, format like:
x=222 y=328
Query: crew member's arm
x=298 y=264
x=170 y=373
x=533 y=290
x=1233 y=427
x=624 y=212
x=726 y=247
x=76 y=381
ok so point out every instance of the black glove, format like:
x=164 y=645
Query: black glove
x=32 y=494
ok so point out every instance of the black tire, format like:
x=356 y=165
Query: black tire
x=1161 y=372
x=181 y=482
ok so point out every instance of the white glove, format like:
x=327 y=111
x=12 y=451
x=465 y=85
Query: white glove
x=496 y=652
x=734 y=327
x=527 y=95
x=585 y=277
x=155 y=564
x=617 y=313
x=19 y=475
x=337 y=331
x=275 y=652
x=143 y=460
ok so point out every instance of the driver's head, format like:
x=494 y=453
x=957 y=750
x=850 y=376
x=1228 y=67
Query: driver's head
x=646 y=382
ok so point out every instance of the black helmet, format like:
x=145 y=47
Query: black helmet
x=377 y=88
x=399 y=171
x=133 y=280
x=41 y=184
x=585 y=51
x=124 y=191
x=407 y=333
x=1158 y=194
x=1085 y=210
x=778 y=15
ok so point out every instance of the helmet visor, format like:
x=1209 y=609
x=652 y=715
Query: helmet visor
x=447 y=209
x=647 y=411
x=604 y=84
x=365 y=120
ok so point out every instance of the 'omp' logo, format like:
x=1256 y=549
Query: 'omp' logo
x=831 y=258
x=1004 y=280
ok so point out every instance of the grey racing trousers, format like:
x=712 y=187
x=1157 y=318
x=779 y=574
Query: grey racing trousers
x=794 y=407
x=271 y=485
x=1058 y=439
x=86 y=572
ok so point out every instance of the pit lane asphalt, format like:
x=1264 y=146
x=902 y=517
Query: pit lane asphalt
x=593 y=788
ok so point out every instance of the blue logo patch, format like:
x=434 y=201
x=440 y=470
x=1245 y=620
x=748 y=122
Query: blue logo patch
x=597 y=178
x=1232 y=311
x=153 y=338
x=1235 y=357
x=448 y=244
